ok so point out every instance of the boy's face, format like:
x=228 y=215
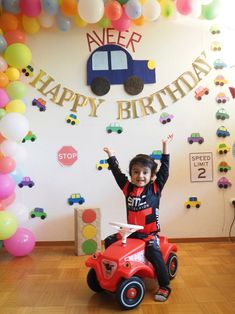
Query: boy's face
x=140 y=175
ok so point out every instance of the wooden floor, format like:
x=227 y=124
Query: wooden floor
x=53 y=280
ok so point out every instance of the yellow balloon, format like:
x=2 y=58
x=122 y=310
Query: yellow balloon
x=79 y=21
x=16 y=105
x=13 y=74
x=30 y=24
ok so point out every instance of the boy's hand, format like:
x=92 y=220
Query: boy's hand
x=168 y=139
x=109 y=151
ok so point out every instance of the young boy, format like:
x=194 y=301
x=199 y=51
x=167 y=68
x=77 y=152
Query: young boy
x=142 y=195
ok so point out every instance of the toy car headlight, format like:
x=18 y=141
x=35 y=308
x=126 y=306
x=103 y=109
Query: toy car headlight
x=127 y=265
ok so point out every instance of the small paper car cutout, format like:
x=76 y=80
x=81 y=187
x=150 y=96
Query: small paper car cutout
x=214 y=30
x=221 y=114
x=38 y=212
x=192 y=202
x=26 y=181
x=28 y=71
x=72 y=119
x=216 y=46
x=102 y=164
x=115 y=127
x=223 y=166
x=219 y=64
x=29 y=137
x=166 y=117
x=220 y=80
x=156 y=155
x=195 y=138
x=222 y=132
x=224 y=183
x=76 y=198
x=40 y=103
x=201 y=91
x=223 y=148
x=221 y=98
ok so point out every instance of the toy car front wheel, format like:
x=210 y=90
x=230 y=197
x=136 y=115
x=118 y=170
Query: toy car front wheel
x=172 y=265
x=130 y=293
x=92 y=281
x=133 y=85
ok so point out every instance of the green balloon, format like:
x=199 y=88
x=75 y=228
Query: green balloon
x=2 y=113
x=104 y=22
x=211 y=10
x=122 y=1
x=18 y=55
x=16 y=90
x=8 y=224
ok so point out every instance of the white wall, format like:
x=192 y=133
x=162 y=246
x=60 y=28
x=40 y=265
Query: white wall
x=174 y=45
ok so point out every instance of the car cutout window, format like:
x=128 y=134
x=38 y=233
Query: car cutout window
x=100 y=61
x=118 y=60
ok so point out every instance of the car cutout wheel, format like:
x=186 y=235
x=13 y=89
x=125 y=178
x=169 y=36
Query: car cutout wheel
x=100 y=86
x=134 y=85
x=119 y=131
x=130 y=292
x=32 y=215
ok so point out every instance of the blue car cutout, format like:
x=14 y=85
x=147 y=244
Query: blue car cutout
x=222 y=132
x=112 y=64
x=76 y=198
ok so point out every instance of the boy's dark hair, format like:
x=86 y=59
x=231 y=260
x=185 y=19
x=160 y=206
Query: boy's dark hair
x=145 y=161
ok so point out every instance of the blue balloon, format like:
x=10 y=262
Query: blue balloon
x=11 y=6
x=51 y=7
x=16 y=175
x=133 y=9
x=3 y=44
x=63 y=23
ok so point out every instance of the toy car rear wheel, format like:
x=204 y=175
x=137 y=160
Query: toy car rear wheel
x=133 y=85
x=172 y=265
x=93 y=282
x=130 y=293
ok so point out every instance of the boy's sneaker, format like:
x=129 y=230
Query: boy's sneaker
x=162 y=294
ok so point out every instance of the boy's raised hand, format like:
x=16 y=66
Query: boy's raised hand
x=109 y=151
x=168 y=139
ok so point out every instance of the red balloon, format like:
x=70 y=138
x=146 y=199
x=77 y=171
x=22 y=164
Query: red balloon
x=7 y=165
x=15 y=36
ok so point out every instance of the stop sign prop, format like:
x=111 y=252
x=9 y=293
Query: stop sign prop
x=67 y=156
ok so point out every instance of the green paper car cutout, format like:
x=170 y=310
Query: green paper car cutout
x=115 y=127
x=29 y=137
x=38 y=212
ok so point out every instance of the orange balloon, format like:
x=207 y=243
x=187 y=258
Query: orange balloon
x=2 y=138
x=69 y=7
x=8 y=22
x=139 y=21
x=4 y=80
x=15 y=36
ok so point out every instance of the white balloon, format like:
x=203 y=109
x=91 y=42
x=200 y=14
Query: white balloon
x=151 y=10
x=205 y=2
x=9 y=148
x=196 y=9
x=20 y=211
x=14 y=126
x=91 y=11
x=46 y=20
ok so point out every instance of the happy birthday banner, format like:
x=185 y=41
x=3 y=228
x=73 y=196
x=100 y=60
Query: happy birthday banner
x=126 y=109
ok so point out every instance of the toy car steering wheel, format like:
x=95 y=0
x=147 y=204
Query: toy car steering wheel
x=125 y=229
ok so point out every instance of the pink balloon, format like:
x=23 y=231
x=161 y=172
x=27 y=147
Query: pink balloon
x=4 y=98
x=7 y=201
x=7 y=164
x=7 y=186
x=184 y=6
x=30 y=8
x=122 y=24
x=21 y=243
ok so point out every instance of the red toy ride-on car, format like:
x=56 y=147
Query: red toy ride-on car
x=120 y=269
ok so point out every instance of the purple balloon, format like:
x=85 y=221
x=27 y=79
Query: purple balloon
x=21 y=243
x=7 y=186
